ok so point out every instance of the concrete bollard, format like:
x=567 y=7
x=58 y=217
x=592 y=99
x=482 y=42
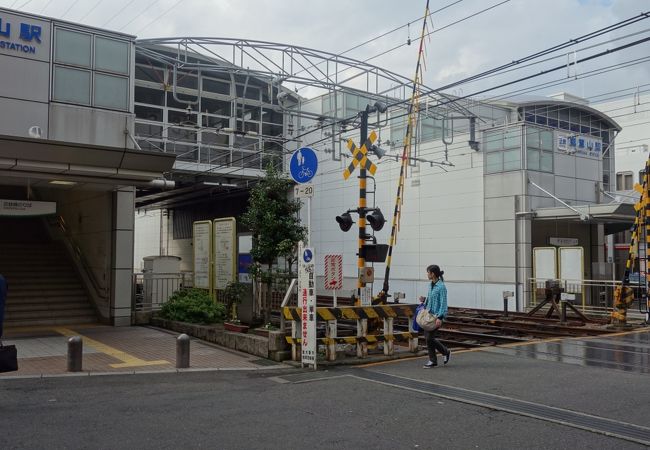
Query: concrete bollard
x=183 y=351
x=75 y=354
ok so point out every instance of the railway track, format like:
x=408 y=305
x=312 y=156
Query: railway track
x=472 y=327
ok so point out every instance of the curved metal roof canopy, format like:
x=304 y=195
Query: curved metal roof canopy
x=308 y=71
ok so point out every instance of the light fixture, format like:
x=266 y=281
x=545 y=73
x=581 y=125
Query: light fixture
x=376 y=219
x=63 y=182
x=212 y=183
x=345 y=221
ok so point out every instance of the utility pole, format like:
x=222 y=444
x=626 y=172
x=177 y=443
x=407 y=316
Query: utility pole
x=361 y=261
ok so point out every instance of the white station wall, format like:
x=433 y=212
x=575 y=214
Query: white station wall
x=441 y=223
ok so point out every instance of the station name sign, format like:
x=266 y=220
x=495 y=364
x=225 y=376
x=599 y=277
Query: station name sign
x=20 y=37
x=26 y=208
x=576 y=144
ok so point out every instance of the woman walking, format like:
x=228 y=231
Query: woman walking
x=436 y=303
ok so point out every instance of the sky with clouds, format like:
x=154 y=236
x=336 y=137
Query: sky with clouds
x=469 y=36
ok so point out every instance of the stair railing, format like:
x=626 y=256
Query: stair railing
x=100 y=294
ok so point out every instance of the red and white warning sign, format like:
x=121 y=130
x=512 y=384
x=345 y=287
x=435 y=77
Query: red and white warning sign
x=333 y=272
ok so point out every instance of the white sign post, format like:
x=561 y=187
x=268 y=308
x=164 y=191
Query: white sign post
x=333 y=274
x=224 y=231
x=307 y=301
x=201 y=245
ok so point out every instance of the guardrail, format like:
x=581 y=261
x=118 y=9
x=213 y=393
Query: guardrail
x=151 y=290
x=360 y=314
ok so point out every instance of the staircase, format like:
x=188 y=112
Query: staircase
x=44 y=288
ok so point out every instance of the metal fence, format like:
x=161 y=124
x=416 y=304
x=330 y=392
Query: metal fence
x=152 y=290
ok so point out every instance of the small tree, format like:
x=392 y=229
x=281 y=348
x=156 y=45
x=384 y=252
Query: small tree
x=273 y=220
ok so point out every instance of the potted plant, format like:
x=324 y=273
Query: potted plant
x=232 y=295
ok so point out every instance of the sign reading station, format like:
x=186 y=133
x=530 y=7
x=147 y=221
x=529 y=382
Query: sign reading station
x=20 y=36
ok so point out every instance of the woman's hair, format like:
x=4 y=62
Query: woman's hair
x=435 y=269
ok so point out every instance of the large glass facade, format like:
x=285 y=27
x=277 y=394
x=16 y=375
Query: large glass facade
x=91 y=70
x=232 y=120
x=572 y=121
x=541 y=131
x=503 y=149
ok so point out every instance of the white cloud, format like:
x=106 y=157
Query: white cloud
x=508 y=32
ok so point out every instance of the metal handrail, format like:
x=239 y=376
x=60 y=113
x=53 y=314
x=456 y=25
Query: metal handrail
x=102 y=291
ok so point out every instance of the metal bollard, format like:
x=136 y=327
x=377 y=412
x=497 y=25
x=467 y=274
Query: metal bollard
x=563 y=304
x=183 y=351
x=75 y=354
x=506 y=296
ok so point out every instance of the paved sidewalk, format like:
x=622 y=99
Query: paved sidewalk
x=42 y=351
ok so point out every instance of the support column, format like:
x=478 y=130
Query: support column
x=122 y=232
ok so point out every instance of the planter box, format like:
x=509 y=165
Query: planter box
x=272 y=347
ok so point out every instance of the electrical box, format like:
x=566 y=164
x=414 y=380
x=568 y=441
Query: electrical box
x=375 y=252
x=367 y=275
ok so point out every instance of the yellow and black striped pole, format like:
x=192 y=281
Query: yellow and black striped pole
x=406 y=154
x=624 y=294
x=361 y=261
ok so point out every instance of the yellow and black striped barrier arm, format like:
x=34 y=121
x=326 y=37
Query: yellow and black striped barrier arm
x=370 y=339
x=354 y=312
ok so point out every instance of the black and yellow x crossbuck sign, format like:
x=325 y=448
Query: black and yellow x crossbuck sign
x=360 y=156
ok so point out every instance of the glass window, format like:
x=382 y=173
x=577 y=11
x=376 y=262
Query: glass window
x=147 y=73
x=532 y=159
x=493 y=140
x=186 y=80
x=181 y=134
x=111 y=55
x=494 y=162
x=148 y=130
x=624 y=181
x=181 y=117
x=111 y=92
x=546 y=162
x=271 y=130
x=511 y=160
x=213 y=106
x=183 y=152
x=72 y=85
x=431 y=129
x=532 y=137
x=144 y=112
x=214 y=138
x=72 y=48
x=149 y=96
x=249 y=126
x=269 y=115
x=218 y=87
x=172 y=103
x=215 y=122
x=546 y=139
x=512 y=138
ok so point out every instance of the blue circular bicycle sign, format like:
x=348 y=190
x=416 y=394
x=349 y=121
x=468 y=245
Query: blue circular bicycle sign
x=307 y=255
x=303 y=165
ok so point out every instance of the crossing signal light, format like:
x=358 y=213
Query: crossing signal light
x=345 y=221
x=376 y=220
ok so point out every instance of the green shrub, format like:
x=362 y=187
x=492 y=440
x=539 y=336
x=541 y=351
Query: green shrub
x=193 y=306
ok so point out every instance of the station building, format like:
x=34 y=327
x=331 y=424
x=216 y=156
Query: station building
x=69 y=170
x=130 y=149
x=523 y=200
